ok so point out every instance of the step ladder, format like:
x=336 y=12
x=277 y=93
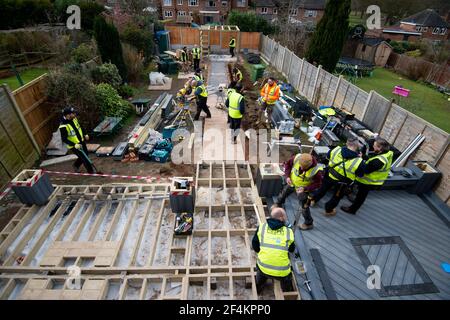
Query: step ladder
x=204 y=42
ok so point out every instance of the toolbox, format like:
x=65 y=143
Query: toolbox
x=329 y=138
x=120 y=151
x=145 y=152
x=160 y=156
x=164 y=144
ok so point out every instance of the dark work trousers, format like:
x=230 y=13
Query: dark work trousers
x=302 y=199
x=82 y=158
x=361 y=195
x=196 y=64
x=235 y=125
x=338 y=193
x=201 y=106
x=261 y=278
x=268 y=108
x=232 y=51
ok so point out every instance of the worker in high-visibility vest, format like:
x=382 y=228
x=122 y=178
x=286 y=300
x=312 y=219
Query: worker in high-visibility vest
x=303 y=175
x=72 y=135
x=184 y=55
x=344 y=166
x=198 y=75
x=183 y=93
x=196 y=54
x=235 y=103
x=272 y=242
x=201 y=96
x=376 y=171
x=232 y=46
x=270 y=93
x=237 y=75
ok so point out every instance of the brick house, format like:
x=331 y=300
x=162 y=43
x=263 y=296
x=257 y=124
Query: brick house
x=200 y=11
x=427 y=24
x=299 y=10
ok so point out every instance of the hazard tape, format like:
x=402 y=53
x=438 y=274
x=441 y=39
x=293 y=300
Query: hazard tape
x=105 y=175
x=5 y=192
x=176 y=193
x=29 y=182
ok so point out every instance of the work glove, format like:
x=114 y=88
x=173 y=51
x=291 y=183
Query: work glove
x=78 y=146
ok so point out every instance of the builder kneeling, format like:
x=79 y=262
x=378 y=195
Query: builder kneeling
x=272 y=242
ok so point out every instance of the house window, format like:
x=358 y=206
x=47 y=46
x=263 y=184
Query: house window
x=211 y=3
x=193 y=3
x=224 y=3
x=293 y=12
x=180 y=2
x=264 y=10
x=190 y=13
x=436 y=30
x=275 y=11
x=167 y=3
x=443 y=31
x=168 y=14
x=241 y=3
x=181 y=13
x=310 y=13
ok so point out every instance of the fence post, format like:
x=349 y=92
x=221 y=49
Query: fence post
x=366 y=106
x=336 y=90
x=300 y=76
x=315 y=83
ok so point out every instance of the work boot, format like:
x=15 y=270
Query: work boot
x=348 y=210
x=306 y=226
x=332 y=213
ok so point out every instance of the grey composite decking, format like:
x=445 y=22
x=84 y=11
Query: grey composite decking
x=393 y=213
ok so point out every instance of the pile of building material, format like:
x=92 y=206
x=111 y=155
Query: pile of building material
x=281 y=119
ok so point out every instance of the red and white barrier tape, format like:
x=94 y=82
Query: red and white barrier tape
x=105 y=175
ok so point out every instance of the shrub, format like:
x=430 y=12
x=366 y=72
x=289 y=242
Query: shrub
x=107 y=73
x=108 y=44
x=250 y=22
x=17 y=14
x=125 y=91
x=82 y=53
x=65 y=87
x=139 y=38
x=110 y=103
x=133 y=61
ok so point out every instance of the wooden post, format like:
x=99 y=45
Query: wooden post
x=337 y=89
x=366 y=106
x=300 y=75
x=315 y=83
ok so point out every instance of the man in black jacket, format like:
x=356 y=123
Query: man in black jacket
x=376 y=171
x=72 y=136
x=272 y=242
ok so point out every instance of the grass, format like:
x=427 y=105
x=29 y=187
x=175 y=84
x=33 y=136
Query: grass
x=423 y=100
x=26 y=75
x=355 y=19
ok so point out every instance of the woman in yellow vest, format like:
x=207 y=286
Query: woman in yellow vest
x=236 y=108
x=376 y=171
x=344 y=166
x=232 y=46
x=303 y=176
x=272 y=242
x=72 y=136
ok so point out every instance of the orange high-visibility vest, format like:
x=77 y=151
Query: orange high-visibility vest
x=270 y=94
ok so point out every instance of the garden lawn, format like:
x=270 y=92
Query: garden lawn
x=424 y=101
x=26 y=75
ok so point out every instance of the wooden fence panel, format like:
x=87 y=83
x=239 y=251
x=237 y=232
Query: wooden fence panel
x=376 y=112
x=435 y=141
x=410 y=129
x=214 y=38
x=341 y=93
x=250 y=40
x=359 y=104
x=31 y=100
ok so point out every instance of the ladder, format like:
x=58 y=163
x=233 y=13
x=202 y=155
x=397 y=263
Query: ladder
x=204 y=41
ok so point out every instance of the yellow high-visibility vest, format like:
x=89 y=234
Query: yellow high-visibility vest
x=337 y=165
x=273 y=257
x=196 y=53
x=71 y=133
x=232 y=43
x=378 y=177
x=233 y=105
x=303 y=179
